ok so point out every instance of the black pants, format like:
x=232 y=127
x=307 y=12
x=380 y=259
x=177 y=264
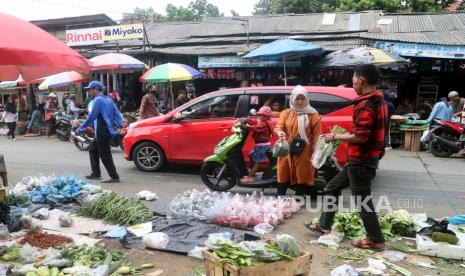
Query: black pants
x=11 y=129
x=100 y=149
x=358 y=177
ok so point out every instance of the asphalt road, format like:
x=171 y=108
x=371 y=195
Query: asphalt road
x=419 y=182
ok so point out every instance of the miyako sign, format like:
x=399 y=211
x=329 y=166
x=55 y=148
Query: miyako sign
x=100 y=35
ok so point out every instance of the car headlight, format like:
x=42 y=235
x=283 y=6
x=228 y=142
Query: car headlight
x=132 y=125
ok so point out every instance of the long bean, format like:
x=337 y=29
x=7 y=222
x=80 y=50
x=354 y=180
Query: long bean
x=116 y=209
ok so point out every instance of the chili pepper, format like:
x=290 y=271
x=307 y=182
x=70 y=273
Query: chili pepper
x=43 y=240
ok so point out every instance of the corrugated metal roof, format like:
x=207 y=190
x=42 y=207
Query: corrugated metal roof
x=456 y=38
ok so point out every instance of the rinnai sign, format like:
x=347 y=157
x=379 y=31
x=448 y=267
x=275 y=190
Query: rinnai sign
x=92 y=36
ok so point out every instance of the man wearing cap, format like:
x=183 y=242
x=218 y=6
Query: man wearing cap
x=50 y=106
x=457 y=103
x=104 y=115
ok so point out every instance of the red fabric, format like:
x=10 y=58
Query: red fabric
x=32 y=52
x=262 y=131
x=370 y=113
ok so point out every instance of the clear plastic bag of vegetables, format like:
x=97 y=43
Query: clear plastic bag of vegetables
x=322 y=151
x=288 y=245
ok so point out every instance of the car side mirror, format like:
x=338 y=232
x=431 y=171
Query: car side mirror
x=177 y=117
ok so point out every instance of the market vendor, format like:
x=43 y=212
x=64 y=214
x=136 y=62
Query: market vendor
x=457 y=103
x=404 y=108
x=442 y=110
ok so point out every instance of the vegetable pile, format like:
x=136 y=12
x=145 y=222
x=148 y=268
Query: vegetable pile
x=89 y=256
x=249 y=253
x=236 y=211
x=396 y=223
x=116 y=209
x=42 y=240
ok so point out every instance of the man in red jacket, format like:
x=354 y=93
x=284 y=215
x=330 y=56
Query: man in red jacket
x=366 y=148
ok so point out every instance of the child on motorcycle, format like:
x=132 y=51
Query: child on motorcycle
x=262 y=131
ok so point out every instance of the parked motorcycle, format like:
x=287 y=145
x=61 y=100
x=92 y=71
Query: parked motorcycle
x=63 y=126
x=83 y=140
x=223 y=170
x=445 y=138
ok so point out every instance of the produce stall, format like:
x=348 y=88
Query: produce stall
x=412 y=131
x=57 y=225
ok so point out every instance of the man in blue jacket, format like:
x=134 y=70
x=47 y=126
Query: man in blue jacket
x=104 y=115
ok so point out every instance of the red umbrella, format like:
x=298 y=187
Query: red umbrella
x=32 y=52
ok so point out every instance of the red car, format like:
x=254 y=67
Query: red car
x=189 y=133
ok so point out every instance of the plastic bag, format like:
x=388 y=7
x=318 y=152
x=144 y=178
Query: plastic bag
x=263 y=228
x=24 y=269
x=196 y=253
x=42 y=214
x=215 y=237
x=288 y=245
x=281 y=148
x=92 y=189
x=344 y=270
x=4 y=233
x=259 y=249
x=65 y=220
x=157 y=240
x=322 y=152
x=26 y=222
x=147 y=195
x=102 y=270
x=29 y=254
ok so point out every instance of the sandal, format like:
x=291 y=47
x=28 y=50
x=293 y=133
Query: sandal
x=315 y=229
x=367 y=244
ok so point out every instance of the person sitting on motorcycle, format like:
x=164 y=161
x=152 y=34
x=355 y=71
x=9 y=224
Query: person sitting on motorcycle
x=263 y=130
x=72 y=111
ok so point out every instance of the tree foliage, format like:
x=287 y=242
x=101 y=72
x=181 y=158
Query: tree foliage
x=196 y=11
x=311 y=6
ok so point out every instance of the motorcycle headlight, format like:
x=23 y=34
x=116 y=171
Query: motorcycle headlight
x=132 y=125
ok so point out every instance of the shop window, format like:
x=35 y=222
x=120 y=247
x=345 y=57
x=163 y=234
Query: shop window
x=326 y=103
x=275 y=101
x=216 y=107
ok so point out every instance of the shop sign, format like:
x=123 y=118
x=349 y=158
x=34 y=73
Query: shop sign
x=422 y=50
x=238 y=62
x=100 y=35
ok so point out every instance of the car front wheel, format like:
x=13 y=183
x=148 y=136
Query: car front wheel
x=148 y=157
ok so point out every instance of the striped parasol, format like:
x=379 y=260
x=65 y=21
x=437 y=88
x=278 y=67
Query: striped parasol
x=62 y=79
x=170 y=72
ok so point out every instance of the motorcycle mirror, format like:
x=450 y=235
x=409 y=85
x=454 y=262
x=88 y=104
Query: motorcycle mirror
x=253 y=112
x=177 y=117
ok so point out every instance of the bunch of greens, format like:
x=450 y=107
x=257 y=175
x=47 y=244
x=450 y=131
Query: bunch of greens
x=90 y=256
x=395 y=223
x=248 y=254
x=116 y=209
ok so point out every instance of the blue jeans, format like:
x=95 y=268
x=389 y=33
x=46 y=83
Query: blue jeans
x=36 y=116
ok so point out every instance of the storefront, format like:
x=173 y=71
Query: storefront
x=231 y=71
x=435 y=70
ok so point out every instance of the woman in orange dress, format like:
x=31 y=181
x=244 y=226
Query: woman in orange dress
x=301 y=120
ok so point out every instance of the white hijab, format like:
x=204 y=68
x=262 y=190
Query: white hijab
x=302 y=112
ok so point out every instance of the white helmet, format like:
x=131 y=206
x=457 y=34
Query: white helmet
x=52 y=95
x=453 y=94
